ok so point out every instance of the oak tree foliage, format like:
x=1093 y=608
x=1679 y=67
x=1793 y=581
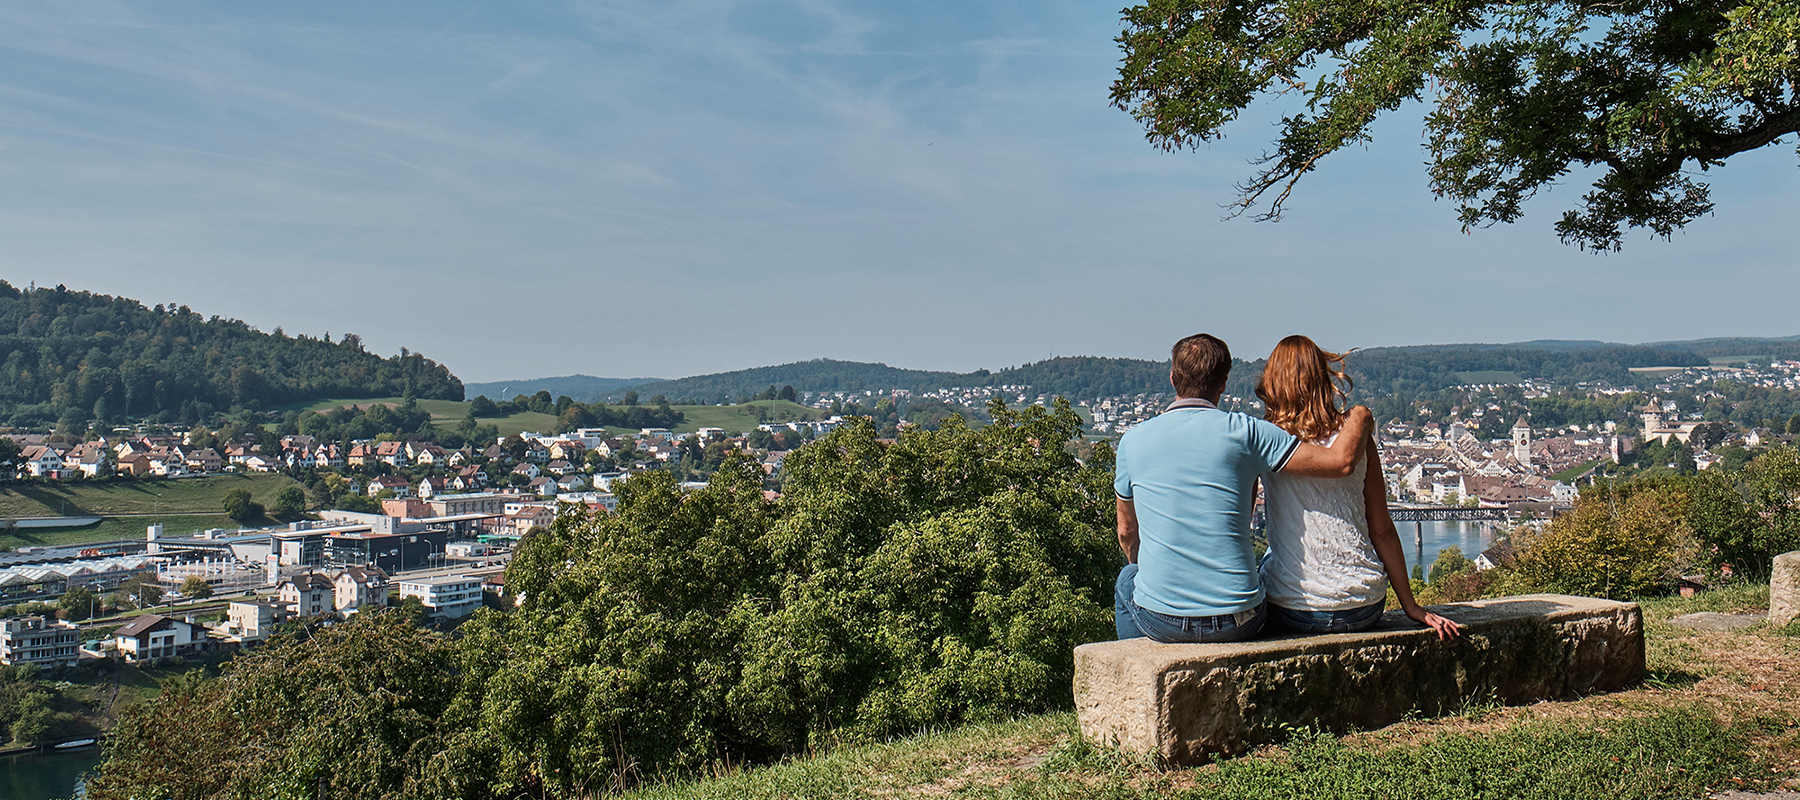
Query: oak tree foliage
x=1520 y=94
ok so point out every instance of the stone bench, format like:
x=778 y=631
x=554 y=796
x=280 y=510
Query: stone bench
x=1182 y=703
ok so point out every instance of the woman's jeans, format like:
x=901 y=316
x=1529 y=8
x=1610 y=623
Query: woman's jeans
x=1133 y=621
x=1347 y=621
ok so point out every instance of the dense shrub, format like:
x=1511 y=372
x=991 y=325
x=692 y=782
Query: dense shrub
x=350 y=711
x=942 y=578
x=1615 y=543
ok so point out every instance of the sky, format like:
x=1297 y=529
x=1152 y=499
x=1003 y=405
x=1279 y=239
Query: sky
x=670 y=188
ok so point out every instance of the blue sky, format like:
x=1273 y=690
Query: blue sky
x=672 y=188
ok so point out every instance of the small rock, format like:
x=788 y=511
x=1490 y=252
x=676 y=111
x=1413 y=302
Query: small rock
x=1779 y=794
x=1714 y=621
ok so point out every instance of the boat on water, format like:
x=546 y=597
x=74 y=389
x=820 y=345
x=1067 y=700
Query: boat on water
x=76 y=744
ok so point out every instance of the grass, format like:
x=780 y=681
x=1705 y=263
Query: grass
x=182 y=506
x=1718 y=710
x=1660 y=753
x=1571 y=473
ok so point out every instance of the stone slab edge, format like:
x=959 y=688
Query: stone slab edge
x=1122 y=687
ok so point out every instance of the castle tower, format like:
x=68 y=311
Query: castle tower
x=1521 y=435
x=1653 y=421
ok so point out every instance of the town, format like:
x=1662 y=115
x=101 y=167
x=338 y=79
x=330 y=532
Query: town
x=420 y=525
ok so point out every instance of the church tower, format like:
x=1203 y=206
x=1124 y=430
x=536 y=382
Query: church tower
x=1653 y=420
x=1522 y=443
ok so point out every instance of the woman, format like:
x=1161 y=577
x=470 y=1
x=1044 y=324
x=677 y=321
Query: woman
x=1333 y=549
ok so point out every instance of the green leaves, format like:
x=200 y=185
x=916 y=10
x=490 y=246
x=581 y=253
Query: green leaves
x=941 y=578
x=1523 y=94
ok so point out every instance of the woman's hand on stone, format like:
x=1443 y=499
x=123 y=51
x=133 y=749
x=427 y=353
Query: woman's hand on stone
x=1445 y=628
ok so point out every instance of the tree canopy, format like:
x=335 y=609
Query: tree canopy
x=77 y=356
x=1522 y=94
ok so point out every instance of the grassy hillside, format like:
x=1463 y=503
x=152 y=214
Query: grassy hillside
x=186 y=495
x=582 y=388
x=1718 y=711
x=181 y=506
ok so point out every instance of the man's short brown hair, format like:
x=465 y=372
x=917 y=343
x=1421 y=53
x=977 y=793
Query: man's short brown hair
x=1199 y=365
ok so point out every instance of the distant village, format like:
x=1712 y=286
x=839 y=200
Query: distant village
x=436 y=527
x=442 y=526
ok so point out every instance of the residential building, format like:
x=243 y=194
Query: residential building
x=309 y=594
x=361 y=587
x=445 y=596
x=152 y=636
x=252 y=620
x=44 y=641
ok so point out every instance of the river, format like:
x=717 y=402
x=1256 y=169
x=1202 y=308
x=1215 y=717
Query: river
x=1472 y=537
x=50 y=776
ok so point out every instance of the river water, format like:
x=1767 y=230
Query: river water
x=1472 y=537
x=51 y=776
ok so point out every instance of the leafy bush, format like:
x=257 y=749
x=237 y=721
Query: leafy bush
x=350 y=712
x=1617 y=542
x=943 y=578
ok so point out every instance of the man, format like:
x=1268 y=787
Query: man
x=1186 y=481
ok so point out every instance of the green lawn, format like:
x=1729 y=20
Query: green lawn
x=1570 y=474
x=180 y=496
x=183 y=506
x=440 y=409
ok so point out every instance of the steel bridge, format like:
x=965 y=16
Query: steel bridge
x=1444 y=514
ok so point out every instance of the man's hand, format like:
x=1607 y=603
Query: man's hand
x=1338 y=460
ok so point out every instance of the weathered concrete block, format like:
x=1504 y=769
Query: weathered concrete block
x=1784 y=589
x=1185 y=702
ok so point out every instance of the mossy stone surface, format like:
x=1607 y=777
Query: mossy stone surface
x=1184 y=703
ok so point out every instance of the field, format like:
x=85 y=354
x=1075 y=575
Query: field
x=445 y=413
x=1576 y=471
x=182 y=506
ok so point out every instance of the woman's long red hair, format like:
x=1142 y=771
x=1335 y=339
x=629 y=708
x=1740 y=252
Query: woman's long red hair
x=1302 y=388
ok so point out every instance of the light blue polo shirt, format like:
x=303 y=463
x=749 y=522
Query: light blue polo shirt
x=1191 y=473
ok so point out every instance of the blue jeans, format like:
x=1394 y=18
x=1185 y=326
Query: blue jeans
x=1133 y=621
x=1349 y=620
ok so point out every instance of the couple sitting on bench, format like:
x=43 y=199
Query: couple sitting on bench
x=1186 y=483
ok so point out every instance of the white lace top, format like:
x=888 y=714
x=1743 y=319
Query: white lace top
x=1320 y=557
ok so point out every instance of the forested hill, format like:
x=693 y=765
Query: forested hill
x=74 y=357
x=1079 y=377
x=1403 y=370
x=819 y=375
x=1378 y=371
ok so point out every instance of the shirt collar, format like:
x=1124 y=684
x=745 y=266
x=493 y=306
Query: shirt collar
x=1190 y=402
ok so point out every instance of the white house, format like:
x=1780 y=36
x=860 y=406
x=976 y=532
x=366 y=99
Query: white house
x=250 y=620
x=445 y=596
x=153 y=636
